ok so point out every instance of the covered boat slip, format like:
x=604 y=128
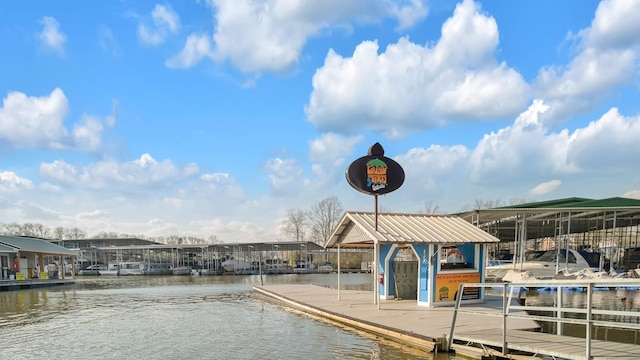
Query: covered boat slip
x=608 y=226
x=417 y=257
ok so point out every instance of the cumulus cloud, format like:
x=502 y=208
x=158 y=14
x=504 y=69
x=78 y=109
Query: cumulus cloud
x=34 y=122
x=284 y=176
x=269 y=35
x=607 y=57
x=546 y=187
x=165 y=22
x=434 y=166
x=109 y=174
x=88 y=135
x=408 y=13
x=10 y=182
x=197 y=47
x=528 y=149
x=328 y=155
x=28 y=122
x=410 y=87
x=51 y=38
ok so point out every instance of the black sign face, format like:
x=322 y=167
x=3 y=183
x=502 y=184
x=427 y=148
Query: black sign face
x=375 y=174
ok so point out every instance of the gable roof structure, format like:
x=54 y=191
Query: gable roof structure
x=28 y=244
x=358 y=230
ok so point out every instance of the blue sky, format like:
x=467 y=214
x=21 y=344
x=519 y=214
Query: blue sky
x=215 y=118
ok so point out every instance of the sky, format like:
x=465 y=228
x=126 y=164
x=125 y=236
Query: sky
x=217 y=117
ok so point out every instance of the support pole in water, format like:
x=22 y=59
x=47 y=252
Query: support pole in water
x=260 y=267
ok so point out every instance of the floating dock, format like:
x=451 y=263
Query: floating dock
x=476 y=336
x=402 y=321
x=6 y=285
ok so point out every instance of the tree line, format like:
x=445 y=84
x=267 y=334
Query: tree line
x=61 y=233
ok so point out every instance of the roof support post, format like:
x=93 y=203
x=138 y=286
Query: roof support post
x=613 y=241
x=567 y=243
x=339 y=271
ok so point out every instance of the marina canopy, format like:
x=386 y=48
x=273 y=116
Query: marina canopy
x=547 y=219
x=358 y=230
x=19 y=243
x=106 y=244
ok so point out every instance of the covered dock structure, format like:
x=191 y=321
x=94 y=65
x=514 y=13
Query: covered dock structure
x=25 y=258
x=206 y=258
x=609 y=226
x=417 y=256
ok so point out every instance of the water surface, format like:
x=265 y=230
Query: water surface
x=180 y=317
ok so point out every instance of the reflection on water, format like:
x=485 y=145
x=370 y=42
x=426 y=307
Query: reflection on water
x=176 y=317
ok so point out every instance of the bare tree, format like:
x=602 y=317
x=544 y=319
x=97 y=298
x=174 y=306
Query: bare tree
x=324 y=216
x=41 y=231
x=12 y=228
x=430 y=208
x=213 y=239
x=174 y=240
x=58 y=233
x=296 y=223
x=27 y=229
x=75 y=234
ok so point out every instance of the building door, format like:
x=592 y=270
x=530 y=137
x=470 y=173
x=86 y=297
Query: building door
x=4 y=266
x=405 y=275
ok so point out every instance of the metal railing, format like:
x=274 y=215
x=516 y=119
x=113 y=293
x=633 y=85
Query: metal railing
x=581 y=315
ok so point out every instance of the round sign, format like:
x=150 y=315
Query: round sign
x=375 y=174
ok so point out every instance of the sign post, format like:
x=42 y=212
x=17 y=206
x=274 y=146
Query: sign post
x=375 y=174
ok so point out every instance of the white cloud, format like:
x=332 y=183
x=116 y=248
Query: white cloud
x=329 y=147
x=51 y=37
x=410 y=87
x=269 y=35
x=609 y=143
x=107 y=41
x=88 y=136
x=195 y=49
x=139 y=174
x=38 y=122
x=34 y=122
x=529 y=150
x=328 y=155
x=546 y=187
x=608 y=57
x=284 y=176
x=165 y=22
x=615 y=25
x=408 y=13
x=434 y=166
x=10 y=182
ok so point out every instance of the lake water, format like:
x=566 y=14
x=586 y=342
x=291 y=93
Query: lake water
x=180 y=317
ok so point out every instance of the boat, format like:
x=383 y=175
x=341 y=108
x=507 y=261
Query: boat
x=124 y=268
x=327 y=267
x=92 y=270
x=157 y=269
x=181 y=270
x=235 y=265
x=547 y=264
x=276 y=266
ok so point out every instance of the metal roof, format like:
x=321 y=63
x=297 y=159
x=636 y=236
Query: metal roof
x=7 y=249
x=543 y=218
x=19 y=243
x=357 y=229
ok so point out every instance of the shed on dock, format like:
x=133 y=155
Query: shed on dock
x=23 y=258
x=418 y=256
